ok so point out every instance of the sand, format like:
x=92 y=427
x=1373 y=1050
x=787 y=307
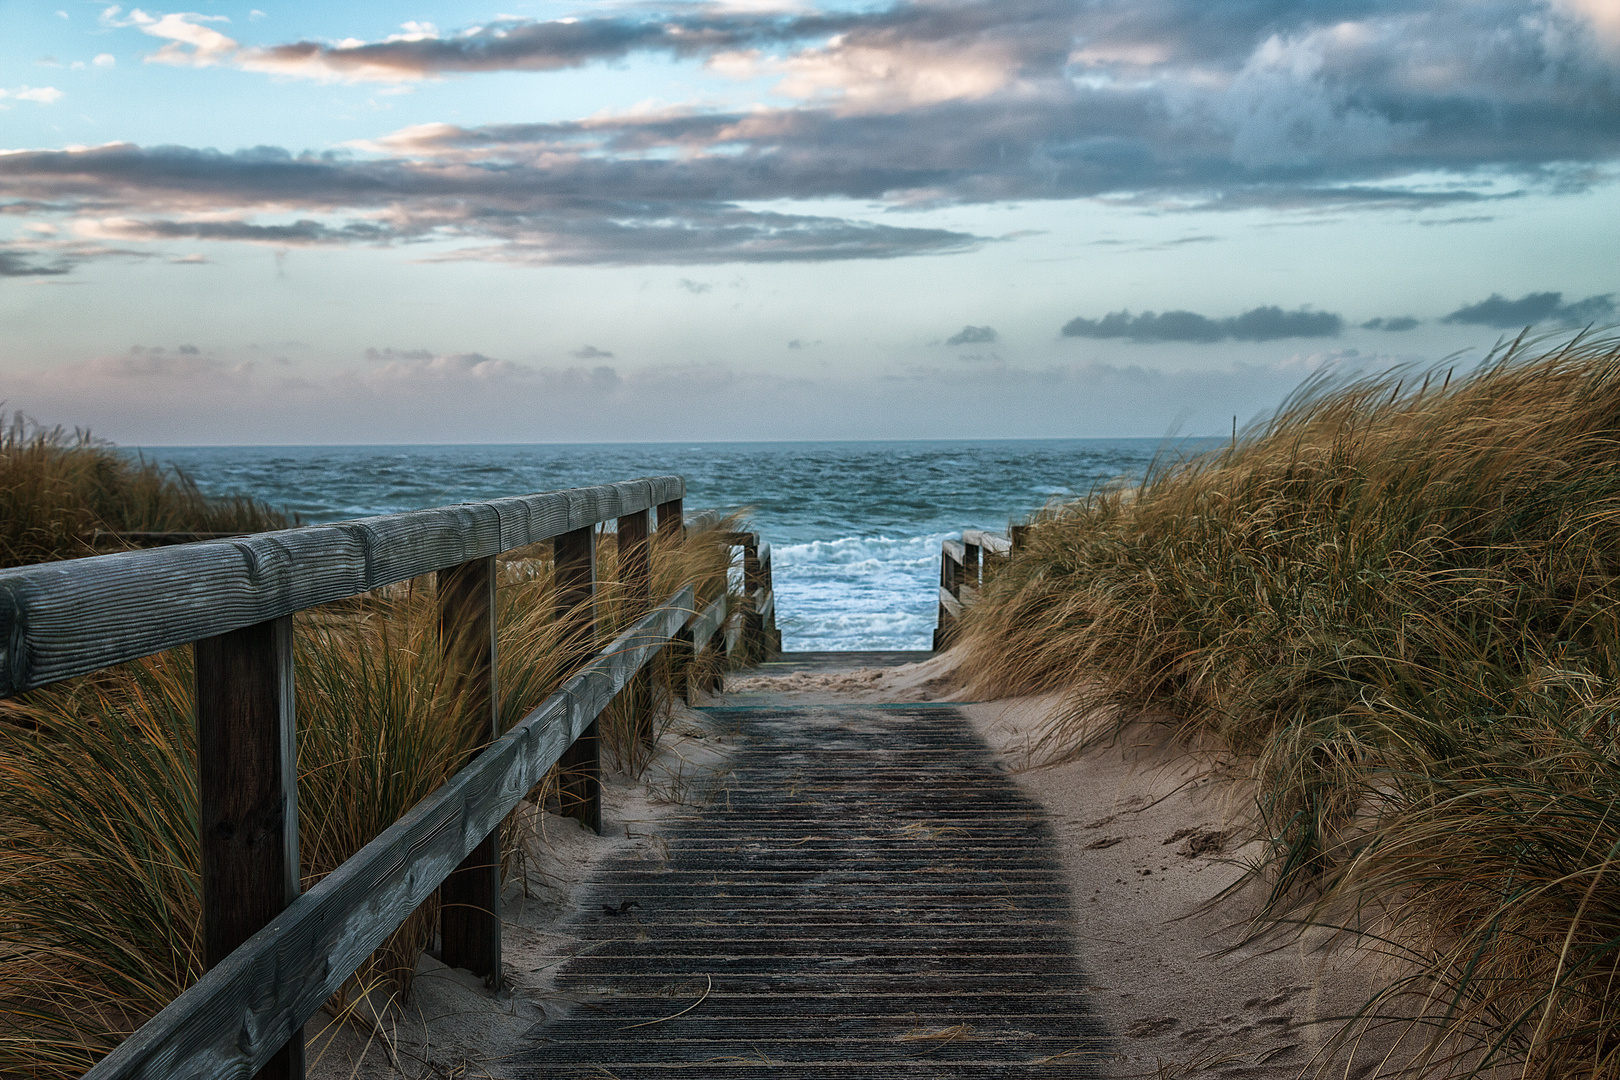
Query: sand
x=1145 y=830
x=452 y=1025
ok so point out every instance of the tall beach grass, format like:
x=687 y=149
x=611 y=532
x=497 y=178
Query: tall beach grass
x=1399 y=598
x=99 y=873
x=58 y=489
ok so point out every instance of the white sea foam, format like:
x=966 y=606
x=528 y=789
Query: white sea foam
x=857 y=592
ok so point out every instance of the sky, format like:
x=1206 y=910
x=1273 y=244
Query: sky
x=767 y=219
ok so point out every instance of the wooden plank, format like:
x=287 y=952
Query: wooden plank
x=764 y=601
x=953 y=550
x=579 y=781
x=703 y=520
x=635 y=579
x=232 y=1020
x=707 y=622
x=247 y=795
x=950 y=603
x=76 y=616
x=991 y=542
x=967 y=594
x=470 y=898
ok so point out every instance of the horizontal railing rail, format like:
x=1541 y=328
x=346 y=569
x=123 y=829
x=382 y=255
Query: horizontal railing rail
x=273 y=955
x=963 y=569
x=81 y=615
x=233 y=1020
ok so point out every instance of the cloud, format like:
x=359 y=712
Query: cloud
x=15 y=263
x=972 y=335
x=1396 y=324
x=1503 y=314
x=39 y=95
x=1259 y=324
x=696 y=288
x=304 y=231
x=591 y=352
x=1164 y=104
x=190 y=41
x=105 y=60
x=162 y=396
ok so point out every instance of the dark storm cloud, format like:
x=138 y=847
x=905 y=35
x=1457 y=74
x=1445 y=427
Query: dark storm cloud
x=1397 y=324
x=972 y=335
x=1160 y=103
x=1504 y=314
x=1259 y=324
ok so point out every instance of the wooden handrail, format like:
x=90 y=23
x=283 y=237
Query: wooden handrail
x=236 y=1017
x=275 y=957
x=962 y=571
x=73 y=617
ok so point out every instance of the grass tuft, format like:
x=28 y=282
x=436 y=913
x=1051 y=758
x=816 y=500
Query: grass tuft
x=99 y=868
x=1399 y=597
x=59 y=488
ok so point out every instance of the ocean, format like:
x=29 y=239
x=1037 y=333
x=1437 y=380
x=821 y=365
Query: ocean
x=854 y=527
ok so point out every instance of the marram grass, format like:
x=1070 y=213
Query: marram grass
x=58 y=489
x=1400 y=599
x=99 y=874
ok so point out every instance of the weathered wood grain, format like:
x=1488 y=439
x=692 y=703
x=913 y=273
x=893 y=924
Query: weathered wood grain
x=706 y=622
x=579 y=780
x=247 y=795
x=991 y=542
x=635 y=579
x=238 y=1015
x=72 y=617
x=671 y=521
x=470 y=898
x=950 y=603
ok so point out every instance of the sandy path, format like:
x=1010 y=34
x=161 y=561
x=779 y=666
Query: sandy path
x=1140 y=830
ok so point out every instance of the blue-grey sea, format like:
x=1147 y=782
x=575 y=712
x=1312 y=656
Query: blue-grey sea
x=855 y=527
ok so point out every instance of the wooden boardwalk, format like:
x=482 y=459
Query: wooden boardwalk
x=867 y=894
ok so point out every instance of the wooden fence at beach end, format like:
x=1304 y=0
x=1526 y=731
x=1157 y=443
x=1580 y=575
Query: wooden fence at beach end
x=964 y=566
x=274 y=956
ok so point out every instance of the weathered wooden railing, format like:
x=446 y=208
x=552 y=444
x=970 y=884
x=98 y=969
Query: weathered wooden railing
x=273 y=955
x=962 y=573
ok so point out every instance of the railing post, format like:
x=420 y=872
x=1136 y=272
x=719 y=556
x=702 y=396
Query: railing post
x=671 y=521
x=470 y=898
x=970 y=563
x=247 y=795
x=635 y=580
x=1018 y=535
x=580 y=768
x=680 y=655
x=753 y=636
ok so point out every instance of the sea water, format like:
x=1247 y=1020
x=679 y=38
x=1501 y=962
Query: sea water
x=854 y=527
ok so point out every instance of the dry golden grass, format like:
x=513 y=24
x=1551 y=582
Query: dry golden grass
x=1400 y=598
x=99 y=878
x=58 y=488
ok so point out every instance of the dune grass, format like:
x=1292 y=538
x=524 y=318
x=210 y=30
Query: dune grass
x=59 y=488
x=1400 y=599
x=99 y=871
